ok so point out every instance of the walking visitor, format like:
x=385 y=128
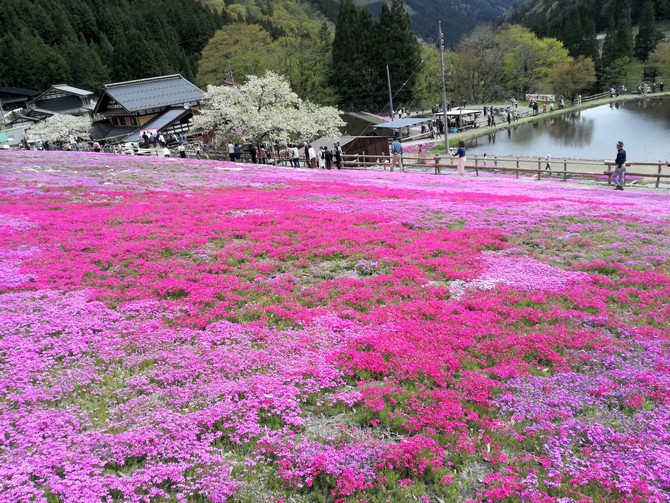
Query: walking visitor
x=461 y=158
x=396 y=151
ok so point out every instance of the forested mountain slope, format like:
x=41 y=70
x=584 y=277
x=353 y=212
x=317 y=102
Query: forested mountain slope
x=542 y=15
x=458 y=17
x=87 y=43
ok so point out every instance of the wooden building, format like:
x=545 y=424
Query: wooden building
x=157 y=105
x=15 y=98
x=58 y=99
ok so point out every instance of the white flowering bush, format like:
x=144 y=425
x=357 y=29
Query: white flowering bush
x=266 y=109
x=62 y=128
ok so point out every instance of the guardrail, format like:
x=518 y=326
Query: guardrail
x=558 y=168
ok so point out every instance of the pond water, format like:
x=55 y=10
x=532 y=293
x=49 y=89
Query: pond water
x=643 y=125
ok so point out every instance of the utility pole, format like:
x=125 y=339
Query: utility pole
x=444 y=93
x=388 y=79
x=2 y=113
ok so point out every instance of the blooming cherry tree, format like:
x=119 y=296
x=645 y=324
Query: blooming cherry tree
x=266 y=109
x=62 y=128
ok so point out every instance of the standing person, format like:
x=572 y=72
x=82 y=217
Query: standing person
x=338 y=155
x=547 y=167
x=396 y=151
x=311 y=153
x=329 y=158
x=306 y=149
x=182 y=151
x=263 y=154
x=237 y=150
x=619 y=175
x=252 y=153
x=231 y=152
x=322 y=158
x=295 y=156
x=461 y=158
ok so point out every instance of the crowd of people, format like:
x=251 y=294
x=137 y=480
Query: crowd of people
x=324 y=159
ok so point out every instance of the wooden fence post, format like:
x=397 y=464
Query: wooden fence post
x=539 y=168
x=565 y=170
x=437 y=164
x=658 y=178
x=517 y=167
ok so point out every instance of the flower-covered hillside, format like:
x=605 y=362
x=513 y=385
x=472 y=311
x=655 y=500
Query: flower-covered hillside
x=203 y=331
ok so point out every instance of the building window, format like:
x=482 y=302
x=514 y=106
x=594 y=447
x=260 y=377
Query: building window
x=133 y=121
x=122 y=121
x=115 y=121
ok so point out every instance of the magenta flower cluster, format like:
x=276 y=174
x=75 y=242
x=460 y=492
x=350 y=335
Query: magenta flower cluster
x=204 y=331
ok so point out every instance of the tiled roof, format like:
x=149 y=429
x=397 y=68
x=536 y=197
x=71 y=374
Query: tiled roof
x=156 y=92
x=107 y=131
x=159 y=122
x=72 y=90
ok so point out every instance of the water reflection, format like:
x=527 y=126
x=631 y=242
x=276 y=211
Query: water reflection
x=642 y=124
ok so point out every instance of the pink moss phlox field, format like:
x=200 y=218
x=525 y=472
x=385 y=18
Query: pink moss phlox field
x=206 y=331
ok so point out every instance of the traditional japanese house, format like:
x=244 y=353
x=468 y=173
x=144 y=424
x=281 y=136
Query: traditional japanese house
x=58 y=99
x=157 y=105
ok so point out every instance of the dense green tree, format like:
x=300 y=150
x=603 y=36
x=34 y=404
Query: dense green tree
x=624 y=71
x=346 y=48
x=528 y=59
x=305 y=59
x=572 y=77
x=86 y=68
x=399 y=49
x=478 y=72
x=428 y=87
x=610 y=50
x=370 y=87
x=42 y=65
x=363 y=48
x=10 y=60
x=570 y=31
x=648 y=35
x=624 y=29
x=658 y=63
x=136 y=59
x=235 y=51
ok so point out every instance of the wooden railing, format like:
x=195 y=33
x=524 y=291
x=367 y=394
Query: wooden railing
x=560 y=168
